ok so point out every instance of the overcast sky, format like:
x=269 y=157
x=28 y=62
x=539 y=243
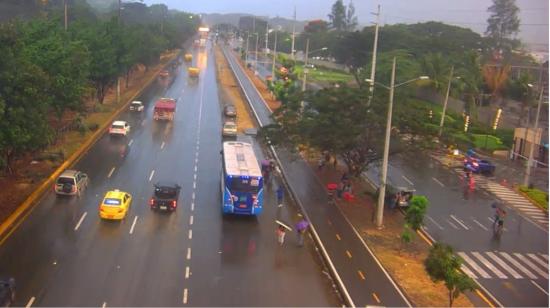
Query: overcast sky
x=466 y=13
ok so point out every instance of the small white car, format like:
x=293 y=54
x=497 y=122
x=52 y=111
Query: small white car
x=120 y=128
x=229 y=129
x=136 y=106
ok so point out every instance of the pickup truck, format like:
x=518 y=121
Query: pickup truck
x=165 y=108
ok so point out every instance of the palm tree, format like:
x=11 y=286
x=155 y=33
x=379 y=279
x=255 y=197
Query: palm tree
x=495 y=79
x=471 y=82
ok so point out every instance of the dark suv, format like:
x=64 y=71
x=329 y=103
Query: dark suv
x=165 y=196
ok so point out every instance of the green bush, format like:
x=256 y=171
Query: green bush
x=93 y=127
x=540 y=197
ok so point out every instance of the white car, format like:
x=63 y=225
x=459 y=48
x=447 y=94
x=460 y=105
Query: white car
x=121 y=128
x=136 y=106
x=229 y=129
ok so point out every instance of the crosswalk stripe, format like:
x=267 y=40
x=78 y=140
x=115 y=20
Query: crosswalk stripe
x=539 y=261
x=489 y=265
x=468 y=272
x=531 y=265
x=518 y=265
x=524 y=205
x=504 y=265
x=544 y=256
x=472 y=263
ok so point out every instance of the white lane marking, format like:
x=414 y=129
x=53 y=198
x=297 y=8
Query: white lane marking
x=187 y=272
x=189 y=253
x=474 y=265
x=452 y=224
x=434 y=222
x=409 y=181
x=480 y=225
x=459 y=222
x=131 y=141
x=193 y=196
x=104 y=305
x=185 y=296
x=438 y=182
x=191 y=220
x=544 y=256
x=196 y=162
x=151 y=176
x=518 y=265
x=133 y=225
x=539 y=261
x=194 y=185
x=29 y=304
x=190 y=234
x=192 y=206
x=468 y=272
x=531 y=265
x=539 y=287
x=505 y=266
x=111 y=172
x=489 y=265
x=195 y=169
x=194 y=177
x=162 y=145
x=80 y=221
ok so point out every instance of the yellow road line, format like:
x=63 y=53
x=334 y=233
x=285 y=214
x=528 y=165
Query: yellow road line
x=376 y=298
x=348 y=253
x=424 y=237
x=338 y=237
x=361 y=275
x=484 y=298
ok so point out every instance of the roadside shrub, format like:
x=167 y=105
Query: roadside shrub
x=537 y=195
x=93 y=127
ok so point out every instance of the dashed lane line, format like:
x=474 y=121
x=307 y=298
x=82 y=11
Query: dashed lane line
x=30 y=302
x=131 y=141
x=162 y=145
x=376 y=298
x=185 y=296
x=459 y=222
x=80 y=221
x=434 y=222
x=480 y=225
x=151 y=176
x=133 y=225
x=438 y=182
x=452 y=224
x=408 y=181
x=111 y=172
x=348 y=253
x=361 y=275
x=189 y=253
x=191 y=220
x=104 y=305
x=187 y=272
x=190 y=234
x=192 y=206
x=539 y=287
x=338 y=237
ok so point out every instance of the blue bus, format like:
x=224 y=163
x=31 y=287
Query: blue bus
x=242 y=182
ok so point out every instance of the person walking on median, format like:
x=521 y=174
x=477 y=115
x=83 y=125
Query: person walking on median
x=301 y=228
x=280 y=194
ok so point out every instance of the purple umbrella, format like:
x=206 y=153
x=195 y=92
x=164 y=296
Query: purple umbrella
x=302 y=225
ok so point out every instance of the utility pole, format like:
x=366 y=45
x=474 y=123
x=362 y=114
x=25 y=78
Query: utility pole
x=66 y=19
x=305 y=67
x=382 y=192
x=527 y=179
x=446 y=101
x=293 y=36
x=256 y=54
x=246 y=54
x=266 y=34
x=374 y=51
x=118 y=77
x=274 y=58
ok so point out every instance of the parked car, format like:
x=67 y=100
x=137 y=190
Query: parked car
x=478 y=165
x=120 y=128
x=229 y=129
x=165 y=196
x=115 y=205
x=7 y=292
x=71 y=183
x=136 y=106
x=230 y=111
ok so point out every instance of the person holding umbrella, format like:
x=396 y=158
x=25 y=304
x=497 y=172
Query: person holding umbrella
x=301 y=228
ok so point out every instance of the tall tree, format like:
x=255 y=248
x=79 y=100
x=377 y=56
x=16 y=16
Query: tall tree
x=337 y=16
x=351 y=19
x=503 y=24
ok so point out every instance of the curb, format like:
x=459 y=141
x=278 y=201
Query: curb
x=25 y=208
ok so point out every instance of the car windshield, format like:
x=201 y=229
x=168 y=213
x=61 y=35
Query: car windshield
x=63 y=180
x=112 y=201
x=230 y=126
x=117 y=127
x=165 y=192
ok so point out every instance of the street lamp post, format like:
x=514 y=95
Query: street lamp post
x=446 y=100
x=274 y=58
x=383 y=177
x=527 y=179
x=256 y=53
x=304 y=78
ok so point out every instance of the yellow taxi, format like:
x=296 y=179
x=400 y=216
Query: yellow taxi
x=188 y=57
x=115 y=205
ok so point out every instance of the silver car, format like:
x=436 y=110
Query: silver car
x=229 y=129
x=71 y=183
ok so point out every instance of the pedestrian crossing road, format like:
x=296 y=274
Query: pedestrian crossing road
x=504 y=265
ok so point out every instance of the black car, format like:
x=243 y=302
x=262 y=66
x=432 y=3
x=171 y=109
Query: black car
x=7 y=292
x=165 y=196
x=230 y=111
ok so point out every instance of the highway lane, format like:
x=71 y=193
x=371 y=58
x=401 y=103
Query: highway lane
x=513 y=267
x=363 y=277
x=64 y=255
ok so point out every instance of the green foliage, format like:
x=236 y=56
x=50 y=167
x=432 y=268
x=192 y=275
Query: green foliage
x=443 y=265
x=406 y=235
x=415 y=212
x=503 y=23
x=537 y=195
x=337 y=16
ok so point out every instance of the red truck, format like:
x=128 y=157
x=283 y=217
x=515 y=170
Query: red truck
x=165 y=109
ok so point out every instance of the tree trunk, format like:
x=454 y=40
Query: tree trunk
x=450 y=298
x=127 y=77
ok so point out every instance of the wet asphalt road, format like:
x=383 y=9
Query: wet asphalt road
x=514 y=266
x=64 y=255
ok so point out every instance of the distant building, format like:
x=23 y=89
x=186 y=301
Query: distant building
x=252 y=24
